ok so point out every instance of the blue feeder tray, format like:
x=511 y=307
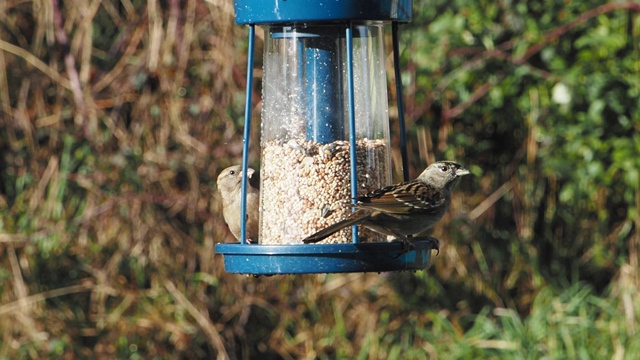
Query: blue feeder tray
x=325 y=258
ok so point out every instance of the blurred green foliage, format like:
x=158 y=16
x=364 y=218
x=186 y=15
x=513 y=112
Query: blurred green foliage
x=109 y=215
x=543 y=96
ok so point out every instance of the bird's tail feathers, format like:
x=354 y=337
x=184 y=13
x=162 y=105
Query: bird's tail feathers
x=355 y=219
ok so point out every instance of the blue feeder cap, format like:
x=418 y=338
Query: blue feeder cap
x=325 y=258
x=289 y=11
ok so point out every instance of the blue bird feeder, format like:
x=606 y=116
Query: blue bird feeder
x=325 y=136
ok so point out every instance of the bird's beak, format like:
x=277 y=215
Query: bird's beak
x=250 y=172
x=462 y=171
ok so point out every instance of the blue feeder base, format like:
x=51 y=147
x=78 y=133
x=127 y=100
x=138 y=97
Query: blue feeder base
x=326 y=258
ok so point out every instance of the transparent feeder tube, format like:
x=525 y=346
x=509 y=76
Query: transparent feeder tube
x=305 y=174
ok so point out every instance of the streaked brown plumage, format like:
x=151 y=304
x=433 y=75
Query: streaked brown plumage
x=403 y=209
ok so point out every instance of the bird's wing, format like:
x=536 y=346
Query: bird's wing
x=404 y=198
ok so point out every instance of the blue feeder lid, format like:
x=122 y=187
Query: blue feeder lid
x=289 y=11
x=325 y=258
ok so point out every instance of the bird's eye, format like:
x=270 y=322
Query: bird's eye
x=232 y=172
x=444 y=168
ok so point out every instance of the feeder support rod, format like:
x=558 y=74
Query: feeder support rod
x=400 y=103
x=352 y=124
x=245 y=140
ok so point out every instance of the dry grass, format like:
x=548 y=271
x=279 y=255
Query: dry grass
x=109 y=212
x=115 y=119
x=111 y=143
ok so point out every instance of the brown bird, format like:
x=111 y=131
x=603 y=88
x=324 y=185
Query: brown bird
x=403 y=209
x=230 y=186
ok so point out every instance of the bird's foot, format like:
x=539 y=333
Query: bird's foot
x=435 y=244
x=407 y=245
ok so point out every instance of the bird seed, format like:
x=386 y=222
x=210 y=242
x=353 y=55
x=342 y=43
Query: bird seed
x=306 y=187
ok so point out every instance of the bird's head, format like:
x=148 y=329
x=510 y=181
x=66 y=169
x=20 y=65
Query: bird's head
x=443 y=174
x=230 y=178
